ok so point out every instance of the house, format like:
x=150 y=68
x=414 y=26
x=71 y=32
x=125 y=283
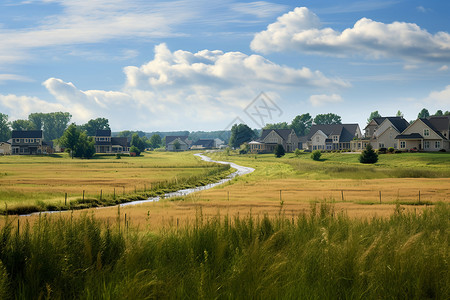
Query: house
x=5 y=148
x=104 y=143
x=270 y=138
x=331 y=136
x=430 y=134
x=26 y=142
x=381 y=133
x=218 y=143
x=203 y=144
x=177 y=143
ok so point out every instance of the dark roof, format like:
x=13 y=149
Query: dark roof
x=345 y=131
x=411 y=136
x=399 y=123
x=284 y=133
x=431 y=125
x=122 y=141
x=47 y=143
x=379 y=120
x=441 y=123
x=20 y=134
x=171 y=138
x=205 y=143
x=103 y=132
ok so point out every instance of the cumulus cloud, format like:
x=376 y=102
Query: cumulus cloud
x=441 y=99
x=19 y=107
x=300 y=30
x=321 y=100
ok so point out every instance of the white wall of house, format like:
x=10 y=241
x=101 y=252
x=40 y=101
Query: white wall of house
x=386 y=139
x=318 y=140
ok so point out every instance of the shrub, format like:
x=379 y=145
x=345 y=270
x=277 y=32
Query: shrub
x=442 y=150
x=118 y=156
x=368 y=156
x=297 y=152
x=315 y=155
x=391 y=149
x=398 y=151
x=279 y=151
x=382 y=150
x=135 y=149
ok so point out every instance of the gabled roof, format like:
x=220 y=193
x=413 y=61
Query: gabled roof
x=205 y=143
x=27 y=134
x=171 y=138
x=440 y=123
x=411 y=136
x=399 y=123
x=346 y=132
x=103 y=132
x=284 y=133
x=121 y=141
x=430 y=124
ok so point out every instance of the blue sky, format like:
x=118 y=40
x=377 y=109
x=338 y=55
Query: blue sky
x=197 y=65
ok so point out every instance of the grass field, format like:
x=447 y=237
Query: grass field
x=27 y=180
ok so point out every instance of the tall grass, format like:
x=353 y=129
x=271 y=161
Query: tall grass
x=321 y=255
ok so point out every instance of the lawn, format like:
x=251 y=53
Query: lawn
x=31 y=179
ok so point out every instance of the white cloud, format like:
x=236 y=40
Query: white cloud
x=13 y=77
x=443 y=68
x=260 y=9
x=321 y=100
x=19 y=107
x=300 y=30
x=440 y=99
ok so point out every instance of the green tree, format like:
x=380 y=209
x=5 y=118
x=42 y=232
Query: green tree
x=85 y=147
x=53 y=124
x=240 y=134
x=279 y=151
x=447 y=113
x=5 y=131
x=137 y=142
x=297 y=152
x=69 y=139
x=93 y=125
x=373 y=115
x=134 y=149
x=37 y=119
x=301 y=124
x=439 y=113
x=315 y=155
x=177 y=145
x=329 y=118
x=155 y=141
x=423 y=114
x=22 y=125
x=281 y=125
x=368 y=156
x=399 y=114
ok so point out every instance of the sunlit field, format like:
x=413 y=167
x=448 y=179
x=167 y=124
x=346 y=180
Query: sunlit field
x=31 y=179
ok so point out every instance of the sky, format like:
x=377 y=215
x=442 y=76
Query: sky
x=204 y=65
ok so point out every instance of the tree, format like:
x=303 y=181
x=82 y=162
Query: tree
x=301 y=124
x=329 y=118
x=69 y=139
x=93 y=125
x=37 y=120
x=373 y=115
x=22 y=125
x=53 y=124
x=177 y=145
x=85 y=147
x=137 y=142
x=5 y=131
x=240 y=134
x=134 y=149
x=279 y=151
x=423 y=114
x=281 y=125
x=439 y=113
x=155 y=141
x=315 y=155
x=447 y=113
x=368 y=156
x=399 y=114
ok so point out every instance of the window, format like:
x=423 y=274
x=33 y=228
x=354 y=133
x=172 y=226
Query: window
x=17 y=140
x=335 y=138
x=437 y=144
x=402 y=144
x=317 y=139
x=426 y=132
x=37 y=140
x=426 y=144
x=380 y=145
x=31 y=140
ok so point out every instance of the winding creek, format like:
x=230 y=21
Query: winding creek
x=240 y=170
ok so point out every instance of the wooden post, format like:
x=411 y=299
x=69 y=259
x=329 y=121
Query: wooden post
x=114 y=193
x=419 y=196
x=101 y=194
x=380 y=197
x=342 y=195
x=83 y=195
x=65 y=199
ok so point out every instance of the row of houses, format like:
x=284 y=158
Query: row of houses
x=430 y=134
x=182 y=143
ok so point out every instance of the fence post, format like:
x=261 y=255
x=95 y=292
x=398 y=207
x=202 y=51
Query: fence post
x=83 y=195
x=65 y=199
x=380 y=197
x=342 y=195
x=419 y=196
x=101 y=194
x=228 y=195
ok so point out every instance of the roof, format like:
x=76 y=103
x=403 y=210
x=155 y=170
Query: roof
x=284 y=133
x=171 y=138
x=440 y=123
x=205 y=143
x=122 y=141
x=399 y=123
x=346 y=132
x=411 y=136
x=103 y=132
x=27 y=134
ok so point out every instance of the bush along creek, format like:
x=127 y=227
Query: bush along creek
x=159 y=188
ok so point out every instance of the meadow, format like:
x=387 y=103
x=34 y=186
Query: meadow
x=322 y=254
x=33 y=183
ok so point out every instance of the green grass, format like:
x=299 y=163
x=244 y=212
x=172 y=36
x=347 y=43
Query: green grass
x=322 y=255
